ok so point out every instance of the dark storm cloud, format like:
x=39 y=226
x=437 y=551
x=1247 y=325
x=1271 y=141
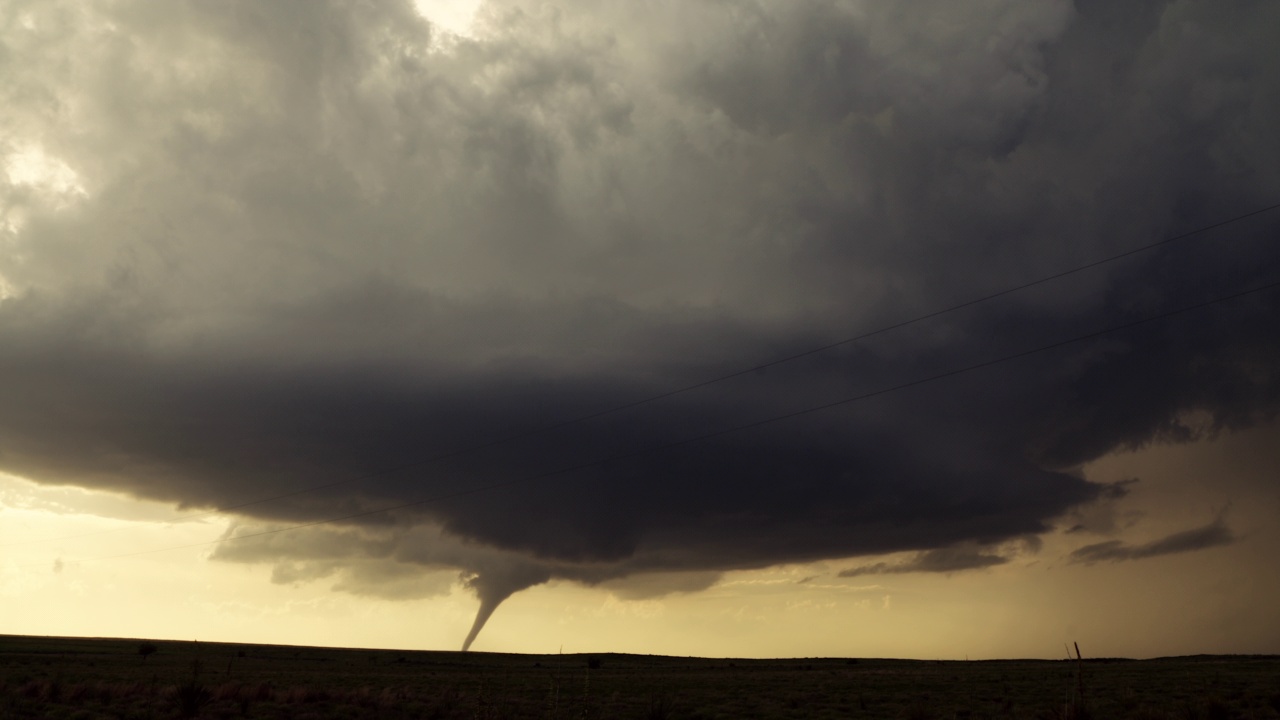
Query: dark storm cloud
x=309 y=245
x=941 y=560
x=1214 y=534
x=1104 y=516
x=651 y=585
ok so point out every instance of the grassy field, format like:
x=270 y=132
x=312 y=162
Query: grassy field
x=87 y=679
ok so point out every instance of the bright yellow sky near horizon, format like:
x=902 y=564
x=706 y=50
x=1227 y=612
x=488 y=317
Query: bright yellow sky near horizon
x=51 y=584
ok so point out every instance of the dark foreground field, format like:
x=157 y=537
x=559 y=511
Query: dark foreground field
x=107 y=678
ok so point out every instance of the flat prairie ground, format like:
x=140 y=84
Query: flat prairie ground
x=87 y=679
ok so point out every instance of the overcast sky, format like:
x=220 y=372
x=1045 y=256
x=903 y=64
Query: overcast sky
x=269 y=264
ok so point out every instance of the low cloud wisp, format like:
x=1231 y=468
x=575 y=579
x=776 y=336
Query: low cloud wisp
x=1215 y=534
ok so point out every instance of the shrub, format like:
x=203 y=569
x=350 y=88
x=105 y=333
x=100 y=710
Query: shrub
x=192 y=695
x=660 y=708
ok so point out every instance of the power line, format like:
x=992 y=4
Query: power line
x=718 y=433
x=485 y=445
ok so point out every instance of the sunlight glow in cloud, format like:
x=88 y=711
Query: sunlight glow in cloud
x=456 y=16
x=31 y=166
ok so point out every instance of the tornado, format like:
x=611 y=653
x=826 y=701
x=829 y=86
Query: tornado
x=487 y=606
x=496 y=585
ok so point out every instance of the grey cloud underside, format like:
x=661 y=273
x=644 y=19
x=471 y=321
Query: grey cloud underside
x=318 y=244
